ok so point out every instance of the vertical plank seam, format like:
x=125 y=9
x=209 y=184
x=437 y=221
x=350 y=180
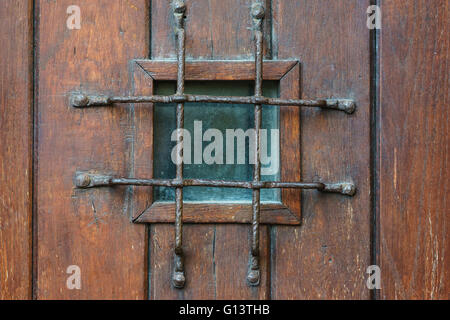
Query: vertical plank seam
x=269 y=32
x=374 y=150
x=274 y=43
x=149 y=28
x=272 y=229
x=268 y=235
x=214 y=263
x=148 y=249
x=148 y=228
x=34 y=146
x=272 y=254
x=268 y=263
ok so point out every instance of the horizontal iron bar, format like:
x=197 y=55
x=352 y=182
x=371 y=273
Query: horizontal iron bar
x=80 y=100
x=89 y=180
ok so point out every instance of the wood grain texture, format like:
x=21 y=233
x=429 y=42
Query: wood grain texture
x=198 y=248
x=16 y=93
x=217 y=70
x=90 y=229
x=413 y=150
x=213 y=31
x=141 y=155
x=271 y=213
x=327 y=257
x=290 y=148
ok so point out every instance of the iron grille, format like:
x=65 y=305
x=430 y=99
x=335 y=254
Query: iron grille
x=88 y=180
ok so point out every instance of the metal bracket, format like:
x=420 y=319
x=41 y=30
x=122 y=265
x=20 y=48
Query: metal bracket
x=85 y=180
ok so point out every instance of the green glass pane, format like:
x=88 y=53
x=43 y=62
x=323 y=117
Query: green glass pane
x=216 y=116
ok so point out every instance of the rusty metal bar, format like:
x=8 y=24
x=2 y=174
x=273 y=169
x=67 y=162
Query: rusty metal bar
x=87 y=180
x=179 y=277
x=79 y=100
x=254 y=272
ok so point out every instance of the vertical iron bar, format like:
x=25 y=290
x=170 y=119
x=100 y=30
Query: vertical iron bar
x=179 y=277
x=254 y=273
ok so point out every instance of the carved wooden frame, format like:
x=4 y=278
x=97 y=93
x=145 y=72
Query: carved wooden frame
x=288 y=211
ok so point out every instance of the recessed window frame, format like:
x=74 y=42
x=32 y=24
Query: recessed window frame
x=287 y=72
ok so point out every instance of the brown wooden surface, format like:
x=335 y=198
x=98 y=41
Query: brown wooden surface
x=413 y=150
x=290 y=147
x=16 y=92
x=163 y=212
x=141 y=155
x=217 y=70
x=328 y=255
x=215 y=30
x=217 y=256
x=91 y=229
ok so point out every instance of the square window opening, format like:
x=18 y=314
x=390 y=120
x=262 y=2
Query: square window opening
x=209 y=129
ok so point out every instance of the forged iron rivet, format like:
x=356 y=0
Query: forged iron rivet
x=83 y=180
x=179 y=6
x=348 y=189
x=349 y=106
x=258 y=11
x=178 y=279
x=79 y=100
x=253 y=277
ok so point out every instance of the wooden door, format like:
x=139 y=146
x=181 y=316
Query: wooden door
x=393 y=148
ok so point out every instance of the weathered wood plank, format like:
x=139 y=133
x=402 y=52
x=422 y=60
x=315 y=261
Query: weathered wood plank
x=16 y=94
x=290 y=148
x=271 y=213
x=214 y=29
x=327 y=256
x=141 y=155
x=413 y=148
x=198 y=248
x=90 y=229
x=217 y=70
